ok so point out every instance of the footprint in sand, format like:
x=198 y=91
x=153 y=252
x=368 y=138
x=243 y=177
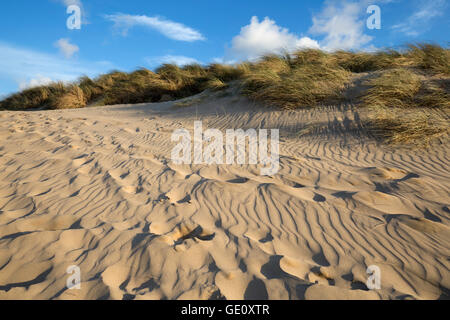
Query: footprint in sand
x=186 y=199
x=344 y=195
x=239 y=180
x=185 y=232
x=319 y=198
x=267 y=238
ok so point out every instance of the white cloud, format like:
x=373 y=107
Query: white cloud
x=170 y=29
x=342 y=23
x=265 y=37
x=418 y=21
x=66 y=48
x=35 y=82
x=222 y=60
x=170 y=59
x=23 y=65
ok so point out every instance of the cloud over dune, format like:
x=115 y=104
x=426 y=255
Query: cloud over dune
x=263 y=37
x=171 y=59
x=342 y=25
x=66 y=48
x=30 y=67
x=170 y=29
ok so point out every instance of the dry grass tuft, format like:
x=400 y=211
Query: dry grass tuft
x=407 y=109
x=393 y=88
x=72 y=98
x=430 y=57
x=226 y=73
x=215 y=84
x=366 y=62
x=33 y=98
x=307 y=78
x=419 y=127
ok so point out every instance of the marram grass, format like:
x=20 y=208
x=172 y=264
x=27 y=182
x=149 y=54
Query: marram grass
x=405 y=90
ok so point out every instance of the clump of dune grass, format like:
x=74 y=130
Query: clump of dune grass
x=306 y=78
x=418 y=127
x=136 y=87
x=219 y=76
x=393 y=88
x=91 y=89
x=430 y=57
x=32 y=98
x=404 y=88
x=174 y=74
x=72 y=98
x=215 y=84
x=308 y=57
x=366 y=62
x=435 y=98
x=426 y=56
x=406 y=109
x=435 y=93
x=196 y=70
x=274 y=64
x=226 y=73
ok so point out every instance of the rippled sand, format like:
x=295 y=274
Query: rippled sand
x=96 y=188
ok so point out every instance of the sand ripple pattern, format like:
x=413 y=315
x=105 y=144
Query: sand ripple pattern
x=96 y=188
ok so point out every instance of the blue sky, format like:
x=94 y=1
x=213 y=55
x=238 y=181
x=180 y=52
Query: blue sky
x=37 y=47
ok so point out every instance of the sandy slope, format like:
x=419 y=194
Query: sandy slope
x=96 y=188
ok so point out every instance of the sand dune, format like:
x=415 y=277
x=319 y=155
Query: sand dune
x=95 y=188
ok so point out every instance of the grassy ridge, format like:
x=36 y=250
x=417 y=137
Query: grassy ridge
x=415 y=79
x=169 y=82
x=307 y=77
